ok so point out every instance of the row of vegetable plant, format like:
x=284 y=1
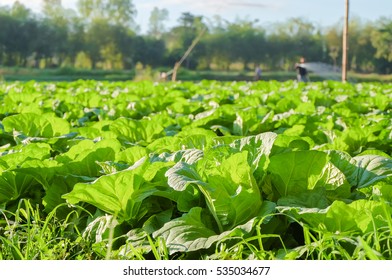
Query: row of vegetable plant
x=209 y=170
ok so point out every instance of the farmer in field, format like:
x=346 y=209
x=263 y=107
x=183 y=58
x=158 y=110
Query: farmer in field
x=302 y=72
x=257 y=72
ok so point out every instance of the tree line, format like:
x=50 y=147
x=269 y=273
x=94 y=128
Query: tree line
x=103 y=34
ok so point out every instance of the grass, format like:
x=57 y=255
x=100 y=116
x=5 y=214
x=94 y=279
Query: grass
x=317 y=245
x=63 y=74
x=70 y=74
x=27 y=234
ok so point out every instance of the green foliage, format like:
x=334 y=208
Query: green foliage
x=183 y=170
x=382 y=38
x=103 y=34
x=27 y=234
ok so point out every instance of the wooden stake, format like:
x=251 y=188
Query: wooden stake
x=188 y=51
x=174 y=73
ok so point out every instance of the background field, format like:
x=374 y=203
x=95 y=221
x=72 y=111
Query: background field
x=69 y=74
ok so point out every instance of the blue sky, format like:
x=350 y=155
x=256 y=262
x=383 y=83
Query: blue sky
x=321 y=12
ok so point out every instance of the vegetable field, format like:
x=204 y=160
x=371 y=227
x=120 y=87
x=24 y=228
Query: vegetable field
x=213 y=170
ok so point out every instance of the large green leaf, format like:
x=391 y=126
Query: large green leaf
x=259 y=148
x=34 y=125
x=19 y=154
x=165 y=144
x=14 y=184
x=181 y=175
x=295 y=172
x=184 y=178
x=115 y=194
x=59 y=186
x=362 y=171
x=316 y=198
x=356 y=138
x=123 y=193
x=82 y=158
x=359 y=216
x=331 y=186
x=383 y=191
x=371 y=169
x=193 y=231
x=286 y=143
x=137 y=131
x=229 y=188
x=131 y=155
x=334 y=182
x=42 y=170
x=235 y=195
x=198 y=138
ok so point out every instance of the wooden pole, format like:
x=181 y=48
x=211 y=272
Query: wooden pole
x=345 y=44
x=188 y=51
x=174 y=72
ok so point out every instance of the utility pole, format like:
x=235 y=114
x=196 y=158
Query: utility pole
x=345 y=43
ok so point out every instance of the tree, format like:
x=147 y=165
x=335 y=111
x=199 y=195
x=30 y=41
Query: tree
x=19 y=11
x=181 y=38
x=247 y=43
x=333 y=38
x=58 y=21
x=51 y=8
x=118 y=12
x=19 y=30
x=292 y=39
x=361 y=51
x=77 y=41
x=219 y=52
x=148 y=51
x=109 y=46
x=382 y=40
x=156 y=22
x=97 y=37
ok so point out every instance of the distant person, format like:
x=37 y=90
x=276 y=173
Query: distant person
x=163 y=76
x=258 y=72
x=302 y=72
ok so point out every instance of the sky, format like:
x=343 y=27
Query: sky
x=319 y=12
